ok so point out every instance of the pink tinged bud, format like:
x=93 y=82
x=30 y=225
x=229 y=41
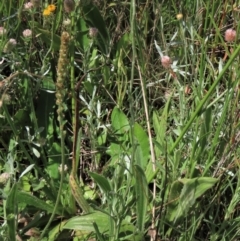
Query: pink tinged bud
x=27 y=33
x=28 y=5
x=166 y=62
x=4 y=177
x=93 y=32
x=230 y=35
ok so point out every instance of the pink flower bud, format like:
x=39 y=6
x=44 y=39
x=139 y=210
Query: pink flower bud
x=230 y=35
x=28 y=5
x=93 y=32
x=27 y=33
x=166 y=61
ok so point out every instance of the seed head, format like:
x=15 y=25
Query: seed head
x=230 y=35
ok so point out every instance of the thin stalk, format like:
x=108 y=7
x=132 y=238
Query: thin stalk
x=153 y=159
x=134 y=55
x=60 y=94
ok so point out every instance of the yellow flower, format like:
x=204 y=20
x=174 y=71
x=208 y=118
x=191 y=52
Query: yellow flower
x=46 y=12
x=179 y=16
x=51 y=7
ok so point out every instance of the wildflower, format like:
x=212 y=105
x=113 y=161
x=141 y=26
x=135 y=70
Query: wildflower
x=3 y=31
x=166 y=61
x=93 y=32
x=230 y=35
x=179 y=16
x=9 y=45
x=28 y=5
x=69 y=5
x=27 y=33
x=51 y=7
x=46 y=12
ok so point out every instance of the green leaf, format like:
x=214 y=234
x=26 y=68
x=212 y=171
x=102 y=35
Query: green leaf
x=31 y=200
x=143 y=148
x=94 y=19
x=11 y=212
x=36 y=152
x=54 y=160
x=82 y=34
x=160 y=128
x=149 y=173
x=85 y=222
x=44 y=112
x=141 y=189
x=28 y=169
x=123 y=46
x=48 y=38
x=55 y=231
x=102 y=182
x=119 y=121
x=192 y=189
x=47 y=85
x=21 y=118
x=173 y=200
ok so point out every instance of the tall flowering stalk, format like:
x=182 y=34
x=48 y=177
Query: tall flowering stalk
x=61 y=75
x=60 y=93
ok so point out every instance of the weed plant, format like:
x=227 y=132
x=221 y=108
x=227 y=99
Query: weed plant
x=119 y=120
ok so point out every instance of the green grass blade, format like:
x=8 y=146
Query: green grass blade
x=141 y=189
x=11 y=212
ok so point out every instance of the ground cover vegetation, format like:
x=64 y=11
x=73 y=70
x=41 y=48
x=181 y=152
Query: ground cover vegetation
x=119 y=120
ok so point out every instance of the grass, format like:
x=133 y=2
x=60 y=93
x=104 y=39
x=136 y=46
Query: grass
x=102 y=140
